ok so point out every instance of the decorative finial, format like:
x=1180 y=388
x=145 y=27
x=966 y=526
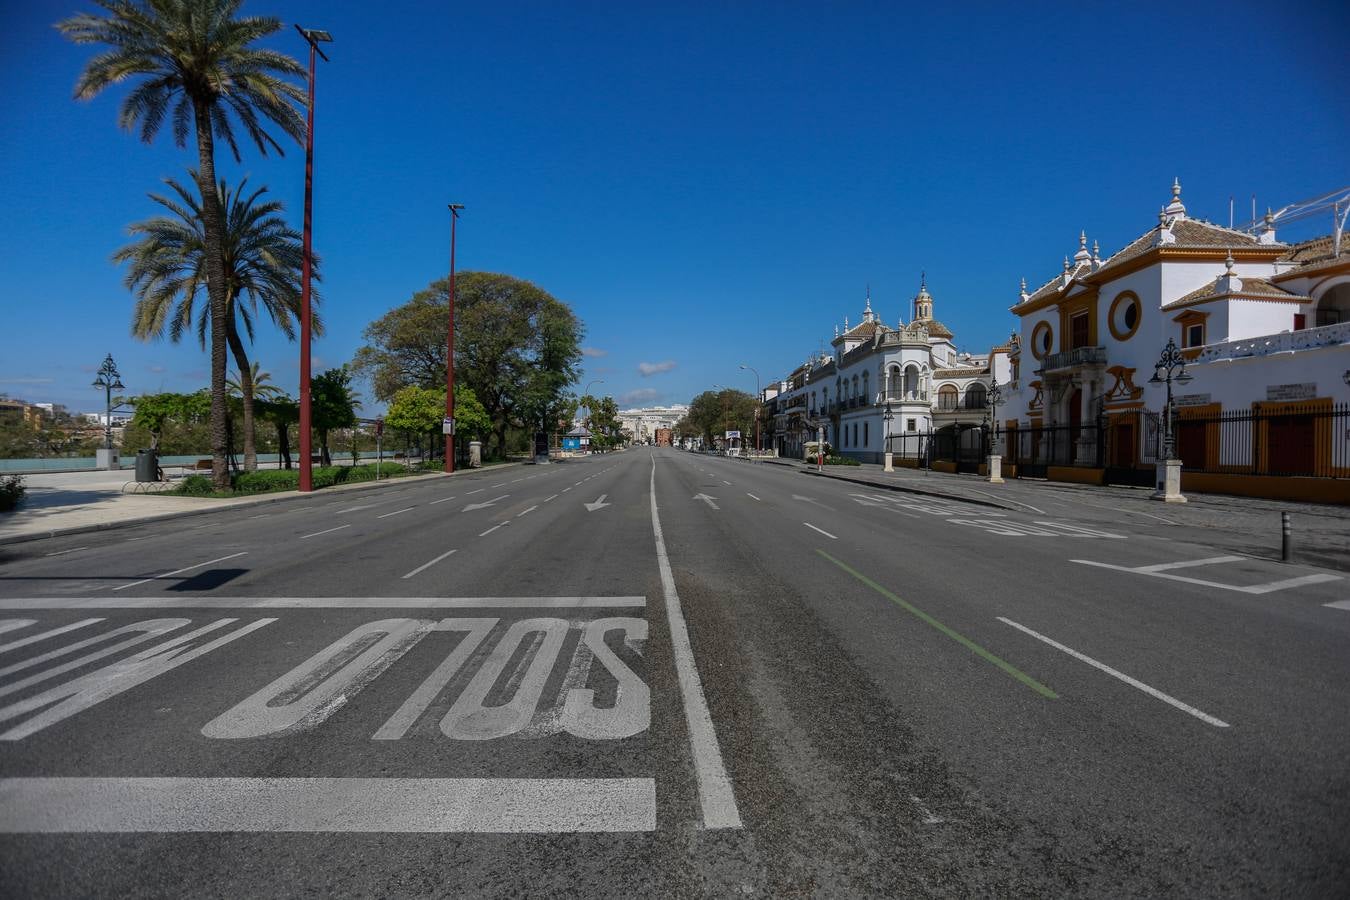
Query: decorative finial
x=923 y=281
x=1162 y=216
x=1024 y=285
x=1096 y=250
x=1082 y=238
x=1176 y=189
x=1229 y=262
x=1066 y=264
x=836 y=331
x=846 y=323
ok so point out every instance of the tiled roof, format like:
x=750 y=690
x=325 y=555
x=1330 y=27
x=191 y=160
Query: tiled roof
x=1314 y=250
x=1253 y=288
x=937 y=329
x=863 y=330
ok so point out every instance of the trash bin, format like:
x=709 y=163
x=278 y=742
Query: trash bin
x=147 y=465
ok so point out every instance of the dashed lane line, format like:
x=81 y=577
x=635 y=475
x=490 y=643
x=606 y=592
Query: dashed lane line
x=821 y=530
x=442 y=500
x=64 y=552
x=133 y=584
x=325 y=531
x=428 y=565
x=492 y=529
x=395 y=512
x=948 y=631
x=554 y=497
x=524 y=511
x=1132 y=682
x=752 y=496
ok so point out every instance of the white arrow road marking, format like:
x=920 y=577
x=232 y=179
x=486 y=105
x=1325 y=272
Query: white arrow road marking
x=325 y=531
x=123 y=587
x=598 y=504
x=706 y=499
x=812 y=500
x=485 y=504
x=821 y=530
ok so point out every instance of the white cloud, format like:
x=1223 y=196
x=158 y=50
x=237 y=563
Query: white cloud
x=647 y=369
x=594 y=352
x=641 y=395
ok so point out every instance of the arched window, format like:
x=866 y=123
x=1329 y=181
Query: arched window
x=948 y=399
x=975 y=396
x=911 y=386
x=894 y=383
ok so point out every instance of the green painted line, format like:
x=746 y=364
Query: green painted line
x=954 y=635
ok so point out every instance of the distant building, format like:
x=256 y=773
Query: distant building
x=643 y=423
x=664 y=437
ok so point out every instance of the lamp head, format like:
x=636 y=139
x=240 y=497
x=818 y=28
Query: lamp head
x=1183 y=378
x=1156 y=379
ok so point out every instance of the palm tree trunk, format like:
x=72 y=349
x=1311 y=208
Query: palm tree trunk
x=284 y=442
x=213 y=223
x=245 y=388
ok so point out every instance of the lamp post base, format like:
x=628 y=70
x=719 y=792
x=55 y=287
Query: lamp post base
x=890 y=459
x=995 y=470
x=1169 y=482
x=106 y=458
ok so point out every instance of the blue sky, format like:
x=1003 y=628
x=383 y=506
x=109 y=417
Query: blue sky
x=707 y=184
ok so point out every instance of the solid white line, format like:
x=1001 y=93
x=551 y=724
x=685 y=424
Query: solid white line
x=371 y=805
x=327 y=531
x=826 y=533
x=1213 y=560
x=1241 y=589
x=395 y=512
x=1152 y=692
x=442 y=500
x=64 y=552
x=34 y=638
x=554 y=497
x=524 y=511
x=430 y=564
x=492 y=529
x=717 y=797
x=30 y=603
x=751 y=496
x=180 y=571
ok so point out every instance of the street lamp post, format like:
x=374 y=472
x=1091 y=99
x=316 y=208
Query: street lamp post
x=759 y=398
x=110 y=380
x=995 y=466
x=1169 y=468
x=886 y=419
x=313 y=37
x=586 y=392
x=449 y=427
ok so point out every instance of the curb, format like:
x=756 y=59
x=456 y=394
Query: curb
x=910 y=490
x=279 y=497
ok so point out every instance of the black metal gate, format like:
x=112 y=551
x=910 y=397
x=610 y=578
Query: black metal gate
x=1127 y=445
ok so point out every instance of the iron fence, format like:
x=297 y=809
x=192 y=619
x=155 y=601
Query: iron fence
x=1311 y=440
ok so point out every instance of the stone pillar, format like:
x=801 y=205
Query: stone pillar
x=106 y=458
x=1169 y=482
x=889 y=460
x=995 y=469
x=475 y=454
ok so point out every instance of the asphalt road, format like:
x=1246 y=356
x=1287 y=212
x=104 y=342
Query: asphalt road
x=662 y=674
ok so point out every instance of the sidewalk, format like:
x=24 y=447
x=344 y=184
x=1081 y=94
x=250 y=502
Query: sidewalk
x=1321 y=532
x=75 y=502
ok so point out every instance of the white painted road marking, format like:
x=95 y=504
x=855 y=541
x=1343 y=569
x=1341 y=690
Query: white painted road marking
x=1160 y=572
x=27 y=603
x=442 y=500
x=751 y=496
x=706 y=499
x=598 y=504
x=717 y=797
x=492 y=529
x=133 y=584
x=408 y=805
x=485 y=504
x=325 y=531
x=812 y=500
x=479 y=491
x=554 y=497
x=524 y=511
x=34 y=638
x=395 y=512
x=1152 y=692
x=425 y=566
x=822 y=531
x=1339 y=604
x=64 y=552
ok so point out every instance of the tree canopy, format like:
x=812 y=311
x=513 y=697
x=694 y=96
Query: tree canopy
x=516 y=347
x=713 y=413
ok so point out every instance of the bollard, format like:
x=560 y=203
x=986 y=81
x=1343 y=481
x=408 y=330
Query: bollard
x=1284 y=537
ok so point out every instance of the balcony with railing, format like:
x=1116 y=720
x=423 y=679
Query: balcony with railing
x=902 y=396
x=1284 y=342
x=1078 y=356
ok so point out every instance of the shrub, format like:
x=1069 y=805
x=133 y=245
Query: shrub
x=11 y=492
x=263 y=481
x=841 y=461
x=195 y=486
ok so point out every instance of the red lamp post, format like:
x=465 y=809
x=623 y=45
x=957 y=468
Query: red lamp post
x=450 y=350
x=312 y=37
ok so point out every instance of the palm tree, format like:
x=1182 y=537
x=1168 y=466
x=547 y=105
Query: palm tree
x=196 y=66
x=252 y=386
x=168 y=269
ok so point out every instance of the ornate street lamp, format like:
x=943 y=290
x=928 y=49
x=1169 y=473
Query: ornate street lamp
x=108 y=379
x=995 y=397
x=1171 y=367
x=886 y=418
x=1171 y=361
x=759 y=399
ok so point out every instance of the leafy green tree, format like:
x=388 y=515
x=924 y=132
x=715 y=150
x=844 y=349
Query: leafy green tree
x=168 y=272
x=516 y=347
x=155 y=412
x=196 y=67
x=419 y=411
x=282 y=412
x=602 y=421
x=713 y=413
x=332 y=405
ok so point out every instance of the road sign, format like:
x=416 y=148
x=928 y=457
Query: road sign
x=379 y=427
x=447 y=425
x=733 y=435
